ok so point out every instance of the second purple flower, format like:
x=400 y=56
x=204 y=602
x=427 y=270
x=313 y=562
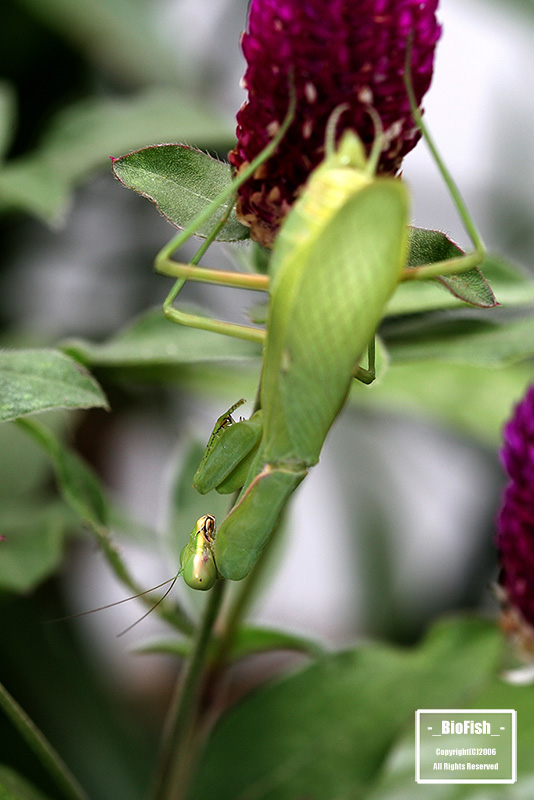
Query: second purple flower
x=334 y=52
x=515 y=538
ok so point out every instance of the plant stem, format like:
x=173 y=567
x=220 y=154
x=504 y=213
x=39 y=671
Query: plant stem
x=42 y=748
x=178 y=750
x=82 y=492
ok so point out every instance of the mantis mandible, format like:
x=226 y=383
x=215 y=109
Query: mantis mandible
x=339 y=255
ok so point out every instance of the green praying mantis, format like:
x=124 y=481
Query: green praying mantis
x=338 y=258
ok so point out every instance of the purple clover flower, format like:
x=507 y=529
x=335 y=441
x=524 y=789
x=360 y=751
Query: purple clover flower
x=334 y=52
x=515 y=539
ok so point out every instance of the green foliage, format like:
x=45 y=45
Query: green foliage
x=427 y=247
x=343 y=725
x=14 y=787
x=474 y=401
x=118 y=35
x=32 y=549
x=249 y=640
x=151 y=348
x=510 y=286
x=396 y=781
x=38 y=380
x=327 y=730
x=78 y=484
x=44 y=751
x=7 y=116
x=461 y=337
x=81 y=138
x=181 y=181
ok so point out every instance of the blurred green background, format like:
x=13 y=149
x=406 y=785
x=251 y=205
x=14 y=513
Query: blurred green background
x=409 y=483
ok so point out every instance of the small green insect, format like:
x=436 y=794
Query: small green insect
x=229 y=453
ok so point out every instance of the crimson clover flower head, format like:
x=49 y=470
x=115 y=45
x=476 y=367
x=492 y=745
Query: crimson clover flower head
x=332 y=52
x=515 y=538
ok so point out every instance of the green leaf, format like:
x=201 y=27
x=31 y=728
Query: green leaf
x=325 y=732
x=510 y=284
x=49 y=758
x=81 y=138
x=182 y=182
x=26 y=472
x=79 y=485
x=14 y=787
x=152 y=343
x=36 y=380
x=84 y=494
x=119 y=36
x=461 y=338
x=32 y=545
x=476 y=401
x=397 y=779
x=427 y=247
x=8 y=114
x=249 y=640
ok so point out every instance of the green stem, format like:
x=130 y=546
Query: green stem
x=236 y=613
x=450 y=266
x=240 y=280
x=62 y=459
x=178 y=750
x=42 y=748
x=445 y=174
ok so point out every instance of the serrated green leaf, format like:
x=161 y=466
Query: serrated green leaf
x=36 y=380
x=510 y=284
x=151 y=341
x=182 y=182
x=326 y=731
x=81 y=138
x=427 y=247
x=461 y=338
x=33 y=545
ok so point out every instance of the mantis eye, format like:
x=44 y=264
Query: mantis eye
x=206 y=526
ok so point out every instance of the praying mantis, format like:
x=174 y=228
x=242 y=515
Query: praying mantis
x=338 y=258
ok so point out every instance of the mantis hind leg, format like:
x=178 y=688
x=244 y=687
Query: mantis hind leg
x=165 y=265
x=184 y=272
